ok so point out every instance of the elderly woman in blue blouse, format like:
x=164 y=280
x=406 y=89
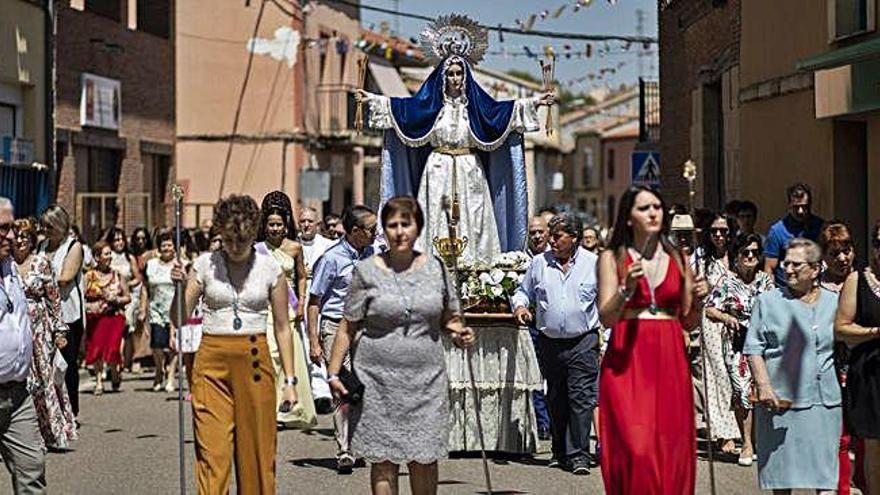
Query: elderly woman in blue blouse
x=790 y=344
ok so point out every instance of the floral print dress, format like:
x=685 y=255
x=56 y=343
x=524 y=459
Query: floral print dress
x=733 y=296
x=718 y=391
x=54 y=412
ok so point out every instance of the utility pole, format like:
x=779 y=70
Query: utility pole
x=640 y=28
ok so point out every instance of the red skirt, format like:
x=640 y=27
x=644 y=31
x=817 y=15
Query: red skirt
x=647 y=429
x=104 y=338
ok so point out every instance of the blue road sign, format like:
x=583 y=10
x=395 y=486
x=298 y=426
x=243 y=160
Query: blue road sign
x=646 y=168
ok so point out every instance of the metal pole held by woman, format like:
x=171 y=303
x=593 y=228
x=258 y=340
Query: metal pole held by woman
x=690 y=174
x=177 y=193
x=455 y=246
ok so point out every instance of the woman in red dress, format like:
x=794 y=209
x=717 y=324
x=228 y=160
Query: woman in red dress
x=648 y=296
x=106 y=296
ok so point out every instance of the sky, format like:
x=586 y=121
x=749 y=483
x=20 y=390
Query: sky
x=600 y=17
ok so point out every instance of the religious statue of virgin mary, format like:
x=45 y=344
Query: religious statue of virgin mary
x=452 y=131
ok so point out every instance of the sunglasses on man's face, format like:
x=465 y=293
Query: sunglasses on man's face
x=719 y=230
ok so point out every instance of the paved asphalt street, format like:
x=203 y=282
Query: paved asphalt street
x=128 y=445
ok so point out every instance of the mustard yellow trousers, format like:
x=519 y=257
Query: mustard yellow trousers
x=233 y=401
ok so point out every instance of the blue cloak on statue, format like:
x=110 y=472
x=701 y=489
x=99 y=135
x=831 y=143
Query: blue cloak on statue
x=498 y=146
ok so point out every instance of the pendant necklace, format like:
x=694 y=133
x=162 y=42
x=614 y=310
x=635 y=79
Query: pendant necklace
x=407 y=301
x=237 y=323
x=653 y=309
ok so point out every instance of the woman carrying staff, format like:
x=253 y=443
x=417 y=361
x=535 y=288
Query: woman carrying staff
x=106 y=297
x=649 y=297
x=731 y=306
x=233 y=396
x=858 y=325
x=789 y=346
x=400 y=303
x=277 y=232
x=66 y=254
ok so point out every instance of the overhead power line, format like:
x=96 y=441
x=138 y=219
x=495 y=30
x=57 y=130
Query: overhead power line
x=247 y=76
x=508 y=30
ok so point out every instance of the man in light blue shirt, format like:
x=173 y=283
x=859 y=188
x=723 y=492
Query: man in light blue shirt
x=19 y=431
x=562 y=285
x=331 y=277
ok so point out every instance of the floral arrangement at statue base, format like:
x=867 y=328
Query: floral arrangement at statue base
x=487 y=287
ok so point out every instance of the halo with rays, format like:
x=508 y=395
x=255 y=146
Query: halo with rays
x=454 y=34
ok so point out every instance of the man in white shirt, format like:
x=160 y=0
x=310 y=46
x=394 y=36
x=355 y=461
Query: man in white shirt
x=19 y=432
x=314 y=245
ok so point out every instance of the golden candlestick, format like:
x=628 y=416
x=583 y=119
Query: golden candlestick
x=450 y=249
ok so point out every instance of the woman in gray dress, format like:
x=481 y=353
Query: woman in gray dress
x=790 y=347
x=399 y=304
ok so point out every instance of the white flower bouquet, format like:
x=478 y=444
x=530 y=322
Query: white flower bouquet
x=487 y=288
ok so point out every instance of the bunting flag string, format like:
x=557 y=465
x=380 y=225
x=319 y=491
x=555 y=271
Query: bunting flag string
x=528 y=22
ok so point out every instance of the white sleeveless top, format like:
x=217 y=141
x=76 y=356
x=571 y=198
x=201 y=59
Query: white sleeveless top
x=254 y=298
x=72 y=301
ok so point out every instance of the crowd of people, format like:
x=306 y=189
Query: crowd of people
x=678 y=326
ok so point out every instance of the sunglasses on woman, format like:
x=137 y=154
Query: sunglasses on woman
x=719 y=230
x=749 y=253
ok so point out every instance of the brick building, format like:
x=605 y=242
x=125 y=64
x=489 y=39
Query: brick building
x=759 y=107
x=114 y=112
x=699 y=56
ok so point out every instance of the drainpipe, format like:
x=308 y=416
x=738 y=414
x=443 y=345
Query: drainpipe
x=49 y=26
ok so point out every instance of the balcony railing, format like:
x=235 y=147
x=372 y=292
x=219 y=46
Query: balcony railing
x=649 y=111
x=336 y=108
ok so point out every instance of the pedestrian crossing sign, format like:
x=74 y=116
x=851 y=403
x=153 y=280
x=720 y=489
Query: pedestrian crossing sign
x=646 y=168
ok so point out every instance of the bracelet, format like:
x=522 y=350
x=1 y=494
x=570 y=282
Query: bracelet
x=331 y=377
x=290 y=381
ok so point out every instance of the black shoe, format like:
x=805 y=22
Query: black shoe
x=543 y=434
x=323 y=406
x=555 y=463
x=345 y=464
x=580 y=467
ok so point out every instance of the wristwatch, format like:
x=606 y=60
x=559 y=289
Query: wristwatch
x=290 y=381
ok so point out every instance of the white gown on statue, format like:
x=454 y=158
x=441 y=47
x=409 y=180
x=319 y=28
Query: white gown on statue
x=452 y=132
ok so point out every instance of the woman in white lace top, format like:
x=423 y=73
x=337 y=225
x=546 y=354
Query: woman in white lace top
x=233 y=381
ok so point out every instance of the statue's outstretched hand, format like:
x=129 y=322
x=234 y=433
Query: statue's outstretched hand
x=360 y=95
x=548 y=98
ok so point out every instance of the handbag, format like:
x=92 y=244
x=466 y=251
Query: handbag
x=59 y=368
x=354 y=386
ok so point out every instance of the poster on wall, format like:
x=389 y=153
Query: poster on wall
x=100 y=104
